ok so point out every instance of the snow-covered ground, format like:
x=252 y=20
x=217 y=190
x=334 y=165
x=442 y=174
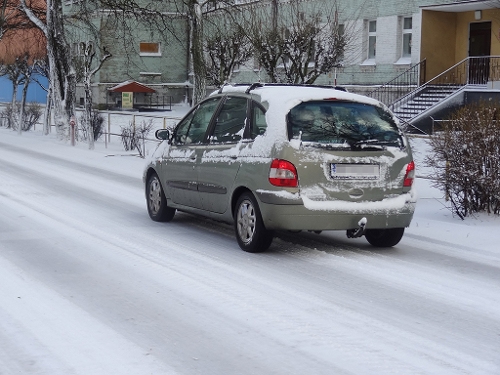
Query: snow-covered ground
x=90 y=285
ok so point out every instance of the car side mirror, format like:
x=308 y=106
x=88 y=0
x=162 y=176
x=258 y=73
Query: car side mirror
x=162 y=134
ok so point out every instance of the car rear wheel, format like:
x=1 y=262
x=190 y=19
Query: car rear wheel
x=156 y=201
x=384 y=237
x=251 y=233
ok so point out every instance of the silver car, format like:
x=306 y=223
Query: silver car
x=269 y=157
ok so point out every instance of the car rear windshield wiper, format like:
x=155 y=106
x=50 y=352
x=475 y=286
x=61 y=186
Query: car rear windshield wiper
x=373 y=143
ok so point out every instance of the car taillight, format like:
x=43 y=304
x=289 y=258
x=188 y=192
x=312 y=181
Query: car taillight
x=283 y=173
x=409 y=175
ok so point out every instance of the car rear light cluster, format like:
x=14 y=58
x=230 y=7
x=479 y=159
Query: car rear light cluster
x=283 y=173
x=409 y=175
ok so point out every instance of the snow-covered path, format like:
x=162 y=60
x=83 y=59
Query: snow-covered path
x=90 y=285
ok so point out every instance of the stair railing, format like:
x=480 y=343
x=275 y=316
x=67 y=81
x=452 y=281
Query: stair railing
x=403 y=84
x=470 y=71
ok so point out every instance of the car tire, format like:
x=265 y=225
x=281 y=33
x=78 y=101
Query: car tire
x=384 y=237
x=156 y=201
x=252 y=235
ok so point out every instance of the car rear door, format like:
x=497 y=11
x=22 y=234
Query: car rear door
x=219 y=158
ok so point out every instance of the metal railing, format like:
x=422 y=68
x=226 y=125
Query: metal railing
x=400 y=86
x=470 y=71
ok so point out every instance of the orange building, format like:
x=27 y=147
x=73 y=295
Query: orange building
x=18 y=36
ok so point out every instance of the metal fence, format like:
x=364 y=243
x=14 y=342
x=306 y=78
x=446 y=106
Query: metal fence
x=114 y=121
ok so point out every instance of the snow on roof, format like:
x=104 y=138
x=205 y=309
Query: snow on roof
x=131 y=86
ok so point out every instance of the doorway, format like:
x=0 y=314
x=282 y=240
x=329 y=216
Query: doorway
x=479 y=52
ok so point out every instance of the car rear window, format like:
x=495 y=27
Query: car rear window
x=342 y=122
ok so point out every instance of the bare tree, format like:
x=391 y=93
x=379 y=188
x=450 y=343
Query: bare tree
x=42 y=69
x=61 y=73
x=300 y=45
x=19 y=72
x=12 y=19
x=27 y=70
x=312 y=48
x=15 y=73
x=227 y=46
x=88 y=54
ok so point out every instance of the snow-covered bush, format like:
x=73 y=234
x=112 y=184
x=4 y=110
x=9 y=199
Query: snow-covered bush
x=133 y=136
x=96 y=126
x=32 y=114
x=466 y=159
x=10 y=116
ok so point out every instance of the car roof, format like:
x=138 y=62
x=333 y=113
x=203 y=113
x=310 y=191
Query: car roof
x=274 y=94
x=279 y=99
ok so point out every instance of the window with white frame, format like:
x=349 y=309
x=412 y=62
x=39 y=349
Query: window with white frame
x=149 y=49
x=407 y=34
x=372 y=39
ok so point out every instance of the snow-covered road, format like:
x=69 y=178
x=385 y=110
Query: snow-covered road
x=89 y=285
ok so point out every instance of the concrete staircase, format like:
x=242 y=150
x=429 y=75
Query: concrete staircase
x=423 y=99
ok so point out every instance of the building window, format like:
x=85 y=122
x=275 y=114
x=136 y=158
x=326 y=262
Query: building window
x=341 y=36
x=372 y=39
x=407 y=28
x=149 y=49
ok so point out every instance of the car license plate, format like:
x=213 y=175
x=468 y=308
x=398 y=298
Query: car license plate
x=341 y=171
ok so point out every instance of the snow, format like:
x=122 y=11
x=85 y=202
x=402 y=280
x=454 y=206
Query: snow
x=90 y=285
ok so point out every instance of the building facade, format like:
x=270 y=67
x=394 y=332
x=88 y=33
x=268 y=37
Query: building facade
x=386 y=38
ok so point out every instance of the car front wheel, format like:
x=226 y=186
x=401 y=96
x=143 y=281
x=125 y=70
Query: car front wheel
x=384 y=237
x=251 y=233
x=156 y=201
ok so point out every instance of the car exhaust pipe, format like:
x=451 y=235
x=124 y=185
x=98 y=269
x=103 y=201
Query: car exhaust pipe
x=359 y=231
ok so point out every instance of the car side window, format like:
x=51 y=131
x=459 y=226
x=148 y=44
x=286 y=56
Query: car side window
x=192 y=129
x=231 y=121
x=259 y=124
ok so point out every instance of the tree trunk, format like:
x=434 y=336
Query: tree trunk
x=22 y=114
x=62 y=78
x=15 y=118
x=88 y=111
x=199 y=64
x=48 y=113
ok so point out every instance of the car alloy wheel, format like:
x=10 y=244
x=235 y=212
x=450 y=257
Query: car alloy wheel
x=251 y=233
x=156 y=201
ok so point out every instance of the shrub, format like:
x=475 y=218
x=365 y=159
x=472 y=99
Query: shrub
x=133 y=136
x=96 y=124
x=465 y=158
x=32 y=114
x=8 y=116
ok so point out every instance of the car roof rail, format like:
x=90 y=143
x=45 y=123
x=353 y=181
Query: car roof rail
x=255 y=85
x=222 y=87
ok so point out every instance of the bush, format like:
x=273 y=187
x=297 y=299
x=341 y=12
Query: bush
x=96 y=124
x=7 y=115
x=133 y=136
x=32 y=114
x=465 y=158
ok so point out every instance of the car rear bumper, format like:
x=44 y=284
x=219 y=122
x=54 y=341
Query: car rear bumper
x=297 y=214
